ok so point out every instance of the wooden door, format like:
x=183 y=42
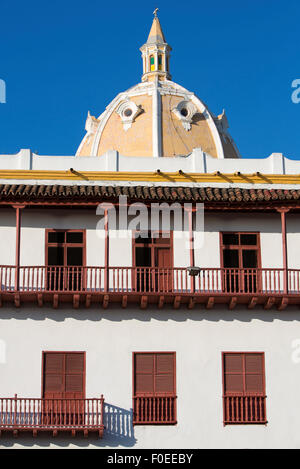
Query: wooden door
x=240 y=257
x=153 y=262
x=163 y=260
x=65 y=257
x=63 y=387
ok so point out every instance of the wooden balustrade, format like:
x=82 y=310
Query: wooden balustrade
x=244 y=409
x=51 y=414
x=158 y=409
x=147 y=280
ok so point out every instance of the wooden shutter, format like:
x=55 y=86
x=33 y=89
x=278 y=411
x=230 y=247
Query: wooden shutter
x=144 y=373
x=64 y=375
x=53 y=375
x=74 y=381
x=164 y=373
x=154 y=373
x=254 y=373
x=243 y=373
x=233 y=373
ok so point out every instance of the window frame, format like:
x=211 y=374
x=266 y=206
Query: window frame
x=152 y=246
x=254 y=247
x=65 y=244
x=44 y=352
x=244 y=394
x=154 y=394
x=166 y=395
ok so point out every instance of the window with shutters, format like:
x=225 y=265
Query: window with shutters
x=244 y=397
x=154 y=387
x=63 y=375
x=63 y=389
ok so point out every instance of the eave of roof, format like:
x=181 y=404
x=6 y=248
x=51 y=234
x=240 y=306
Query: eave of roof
x=231 y=195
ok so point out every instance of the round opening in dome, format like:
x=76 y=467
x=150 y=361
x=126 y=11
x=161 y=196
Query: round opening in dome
x=127 y=112
x=184 y=112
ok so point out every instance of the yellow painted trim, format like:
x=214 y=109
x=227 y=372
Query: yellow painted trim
x=256 y=178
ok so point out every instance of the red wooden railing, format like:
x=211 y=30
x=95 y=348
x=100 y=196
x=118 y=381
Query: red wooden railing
x=158 y=409
x=148 y=280
x=60 y=414
x=244 y=409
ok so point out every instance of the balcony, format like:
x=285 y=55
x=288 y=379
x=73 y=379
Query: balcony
x=149 y=285
x=154 y=410
x=244 y=409
x=52 y=415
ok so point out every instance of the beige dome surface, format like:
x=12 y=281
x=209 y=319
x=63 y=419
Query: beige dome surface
x=157 y=117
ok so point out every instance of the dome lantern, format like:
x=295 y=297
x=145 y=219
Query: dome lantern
x=156 y=53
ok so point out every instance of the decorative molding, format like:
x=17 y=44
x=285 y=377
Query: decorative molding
x=128 y=111
x=185 y=111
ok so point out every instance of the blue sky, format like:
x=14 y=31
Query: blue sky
x=60 y=59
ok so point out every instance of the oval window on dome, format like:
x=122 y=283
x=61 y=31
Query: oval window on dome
x=128 y=112
x=184 y=111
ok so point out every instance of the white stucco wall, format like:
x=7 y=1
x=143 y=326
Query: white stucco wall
x=197 y=336
x=207 y=254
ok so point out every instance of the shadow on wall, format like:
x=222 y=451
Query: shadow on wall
x=119 y=431
x=118 y=426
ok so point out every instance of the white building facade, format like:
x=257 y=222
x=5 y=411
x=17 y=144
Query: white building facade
x=118 y=332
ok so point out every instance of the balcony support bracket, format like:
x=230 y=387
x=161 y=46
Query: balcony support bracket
x=55 y=301
x=88 y=301
x=232 y=303
x=283 y=304
x=105 y=301
x=124 y=301
x=161 y=302
x=76 y=299
x=270 y=302
x=210 y=302
x=177 y=301
x=144 y=302
x=192 y=302
x=40 y=301
x=253 y=302
x=17 y=300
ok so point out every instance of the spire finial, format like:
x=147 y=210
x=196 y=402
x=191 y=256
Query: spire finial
x=155 y=12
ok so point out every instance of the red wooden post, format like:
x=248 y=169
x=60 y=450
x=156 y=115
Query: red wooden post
x=106 y=276
x=192 y=254
x=283 y=212
x=18 y=242
x=102 y=409
x=15 y=410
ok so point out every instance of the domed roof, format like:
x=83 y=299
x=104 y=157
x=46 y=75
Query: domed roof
x=157 y=117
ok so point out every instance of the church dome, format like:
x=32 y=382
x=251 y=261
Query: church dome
x=157 y=117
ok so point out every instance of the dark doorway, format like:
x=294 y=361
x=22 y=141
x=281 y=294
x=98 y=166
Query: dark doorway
x=65 y=257
x=153 y=259
x=240 y=254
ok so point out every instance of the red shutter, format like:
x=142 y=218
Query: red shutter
x=254 y=379
x=164 y=373
x=244 y=399
x=233 y=371
x=74 y=381
x=154 y=373
x=243 y=373
x=144 y=373
x=64 y=375
x=154 y=399
x=53 y=375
